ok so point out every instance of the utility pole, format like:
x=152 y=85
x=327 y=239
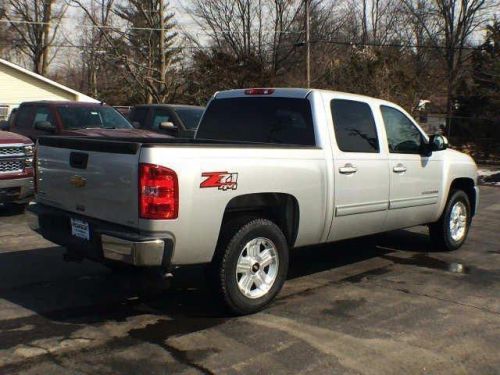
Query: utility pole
x=308 y=44
x=162 y=50
x=47 y=15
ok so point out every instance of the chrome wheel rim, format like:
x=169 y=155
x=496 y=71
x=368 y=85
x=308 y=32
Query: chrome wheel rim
x=257 y=267
x=458 y=221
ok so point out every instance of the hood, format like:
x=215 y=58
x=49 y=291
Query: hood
x=457 y=156
x=10 y=138
x=121 y=133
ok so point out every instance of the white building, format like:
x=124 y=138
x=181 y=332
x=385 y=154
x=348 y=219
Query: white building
x=19 y=85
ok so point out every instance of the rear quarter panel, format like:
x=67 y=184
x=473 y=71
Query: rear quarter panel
x=298 y=172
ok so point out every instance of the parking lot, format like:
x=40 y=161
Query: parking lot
x=383 y=304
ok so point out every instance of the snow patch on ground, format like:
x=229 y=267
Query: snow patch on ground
x=489 y=176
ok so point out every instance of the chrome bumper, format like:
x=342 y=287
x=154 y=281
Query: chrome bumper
x=145 y=253
x=25 y=184
x=107 y=240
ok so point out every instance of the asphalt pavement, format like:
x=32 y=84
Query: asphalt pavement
x=385 y=304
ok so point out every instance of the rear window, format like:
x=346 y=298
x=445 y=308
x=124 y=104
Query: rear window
x=92 y=117
x=190 y=116
x=260 y=120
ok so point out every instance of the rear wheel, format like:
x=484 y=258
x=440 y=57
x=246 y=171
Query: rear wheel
x=252 y=265
x=450 y=231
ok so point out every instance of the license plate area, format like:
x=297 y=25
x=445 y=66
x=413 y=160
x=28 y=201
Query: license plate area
x=80 y=229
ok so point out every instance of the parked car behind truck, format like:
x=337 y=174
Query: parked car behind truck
x=35 y=119
x=16 y=168
x=270 y=169
x=176 y=120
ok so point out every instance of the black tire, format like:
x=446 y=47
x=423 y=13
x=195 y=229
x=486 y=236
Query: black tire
x=236 y=235
x=441 y=231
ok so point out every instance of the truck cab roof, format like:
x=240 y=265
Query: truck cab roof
x=64 y=103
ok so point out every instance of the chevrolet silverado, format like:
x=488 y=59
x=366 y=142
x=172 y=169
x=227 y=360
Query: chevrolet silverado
x=268 y=170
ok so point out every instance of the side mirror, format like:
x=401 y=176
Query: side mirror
x=45 y=126
x=167 y=125
x=438 y=142
x=4 y=125
x=136 y=124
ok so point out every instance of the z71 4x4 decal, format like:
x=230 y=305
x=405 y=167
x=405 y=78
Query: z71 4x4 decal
x=220 y=180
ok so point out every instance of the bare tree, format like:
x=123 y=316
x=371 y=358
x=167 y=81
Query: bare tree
x=265 y=29
x=143 y=45
x=35 y=24
x=449 y=30
x=93 y=42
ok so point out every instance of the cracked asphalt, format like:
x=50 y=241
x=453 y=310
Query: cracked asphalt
x=385 y=304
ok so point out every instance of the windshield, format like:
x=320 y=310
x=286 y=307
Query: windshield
x=190 y=116
x=258 y=119
x=92 y=117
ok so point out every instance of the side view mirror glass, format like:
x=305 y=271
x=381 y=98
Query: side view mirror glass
x=45 y=126
x=438 y=142
x=136 y=124
x=4 y=125
x=167 y=125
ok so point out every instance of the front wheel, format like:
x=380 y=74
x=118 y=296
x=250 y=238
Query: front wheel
x=252 y=267
x=450 y=231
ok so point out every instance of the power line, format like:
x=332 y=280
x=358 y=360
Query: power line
x=394 y=45
x=118 y=28
x=270 y=44
x=316 y=41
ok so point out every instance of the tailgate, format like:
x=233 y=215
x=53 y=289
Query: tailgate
x=95 y=178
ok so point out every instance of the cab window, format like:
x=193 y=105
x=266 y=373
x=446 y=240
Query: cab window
x=354 y=126
x=23 y=117
x=42 y=114
x=159 y=116
x=403 y=136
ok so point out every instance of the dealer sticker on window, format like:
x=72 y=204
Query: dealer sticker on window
x=80 y=229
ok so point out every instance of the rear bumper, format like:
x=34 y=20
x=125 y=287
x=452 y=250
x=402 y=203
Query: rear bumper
x=16 y=189
x=108 y=242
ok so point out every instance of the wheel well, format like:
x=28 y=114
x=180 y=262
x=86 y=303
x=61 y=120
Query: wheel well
x=467 y=185
x=280 y=208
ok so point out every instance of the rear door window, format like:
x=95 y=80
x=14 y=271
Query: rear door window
x=354 y=125
x=139 y=115
x=259 y=120
x=190 y=117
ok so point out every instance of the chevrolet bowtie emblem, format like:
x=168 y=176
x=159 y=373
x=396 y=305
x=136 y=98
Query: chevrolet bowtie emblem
x=78 y=181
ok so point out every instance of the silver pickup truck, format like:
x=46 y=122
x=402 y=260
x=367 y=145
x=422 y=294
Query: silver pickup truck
x=269 y=169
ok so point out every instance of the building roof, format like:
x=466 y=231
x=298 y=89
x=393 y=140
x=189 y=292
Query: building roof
x=79 y=95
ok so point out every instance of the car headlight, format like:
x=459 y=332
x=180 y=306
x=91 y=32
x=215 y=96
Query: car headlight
x=28 y=150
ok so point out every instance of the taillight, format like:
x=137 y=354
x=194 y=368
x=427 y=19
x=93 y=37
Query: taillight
x=259 y=91
x=158 y=192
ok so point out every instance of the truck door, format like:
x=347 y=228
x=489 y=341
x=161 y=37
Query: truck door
x=415 y=178
x=361 y=176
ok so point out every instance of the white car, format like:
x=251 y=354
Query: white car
x=268 y=170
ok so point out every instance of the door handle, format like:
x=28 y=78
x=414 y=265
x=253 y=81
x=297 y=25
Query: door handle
x=348 y=169
x=400 y=168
